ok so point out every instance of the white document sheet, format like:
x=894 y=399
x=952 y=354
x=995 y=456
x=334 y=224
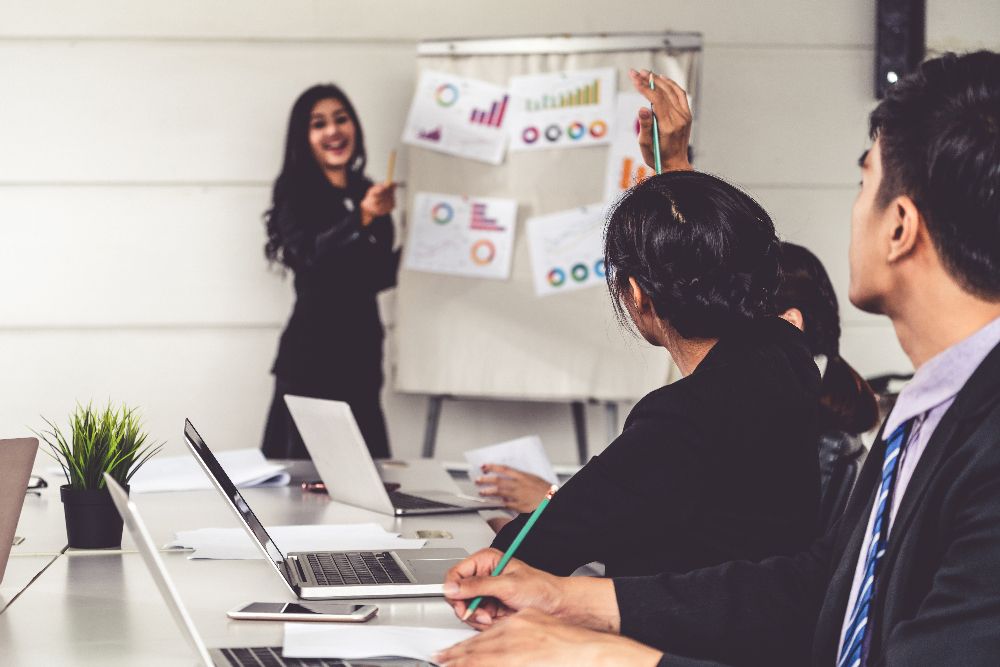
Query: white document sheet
x=357 y=642
x=246 y=467
x=235 y=544
x=562 y=109
x=567 y=249
x=459 y=116
x=525 y=454
x=463 y=236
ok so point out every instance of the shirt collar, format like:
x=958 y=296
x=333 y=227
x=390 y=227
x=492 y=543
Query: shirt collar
x=943 y=376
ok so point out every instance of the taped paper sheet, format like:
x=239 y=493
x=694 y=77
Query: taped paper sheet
x=566 y=109
x=567 y=251
x=459 y=116
x=462 y=236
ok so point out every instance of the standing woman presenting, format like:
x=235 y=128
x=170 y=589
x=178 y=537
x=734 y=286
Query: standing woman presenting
x=330 y=225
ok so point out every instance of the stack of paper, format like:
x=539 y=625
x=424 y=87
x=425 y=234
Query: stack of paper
x=324 y=640
x=525 y=454
x=235 y=544
x=246 y=467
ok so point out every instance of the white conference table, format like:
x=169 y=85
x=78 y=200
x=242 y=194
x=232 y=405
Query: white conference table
x=102 y=607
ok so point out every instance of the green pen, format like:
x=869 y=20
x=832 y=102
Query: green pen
x=656 y=132
x=513 y=547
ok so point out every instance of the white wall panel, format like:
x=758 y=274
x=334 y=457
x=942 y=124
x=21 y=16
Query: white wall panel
x=215 y=377
x=179 y=111
x=771 y=22
x=136 y=255
x=963 y=25
x=819 y=219
x=784 y=116
x=873 y=350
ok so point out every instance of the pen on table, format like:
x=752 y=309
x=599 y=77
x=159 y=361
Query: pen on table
x=513 y=547
x=656 y=132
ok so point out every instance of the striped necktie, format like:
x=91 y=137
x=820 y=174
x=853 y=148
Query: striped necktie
x=852 y=650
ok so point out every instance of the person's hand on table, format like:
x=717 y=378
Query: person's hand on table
x=586 y=601
x=518 y=490
x=673 y=116
x=533 y=638
x=379 y=200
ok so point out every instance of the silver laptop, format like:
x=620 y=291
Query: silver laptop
x=215 y=657
x=16 y=458
x=330 y=575
x=343 y=462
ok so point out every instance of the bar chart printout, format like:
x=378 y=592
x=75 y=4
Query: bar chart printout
x=561 y=109
x=458 y=116
x=583 y=96
x=492 y=117
x=462 y=236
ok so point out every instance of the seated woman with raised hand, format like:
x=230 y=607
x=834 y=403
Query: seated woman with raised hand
x=720 y=465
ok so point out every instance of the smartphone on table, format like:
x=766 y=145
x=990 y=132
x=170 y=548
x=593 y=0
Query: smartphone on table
x=304 y=611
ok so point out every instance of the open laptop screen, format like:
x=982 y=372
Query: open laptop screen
x=232 y=494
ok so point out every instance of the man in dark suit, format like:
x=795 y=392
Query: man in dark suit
x=910 y=575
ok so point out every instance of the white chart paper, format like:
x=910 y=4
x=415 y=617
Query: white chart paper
x=525 y=454
x=245 y=467
x=459 y=116
x=567 y=250
x=358 y=642
x=625 y=164
x=463 y=236
x=562 y=109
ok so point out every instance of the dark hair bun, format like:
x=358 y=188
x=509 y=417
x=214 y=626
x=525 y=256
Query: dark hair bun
x=703 y=250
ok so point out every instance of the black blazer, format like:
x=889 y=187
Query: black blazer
x=719 y=465
x=937 y=598
x=333 y=340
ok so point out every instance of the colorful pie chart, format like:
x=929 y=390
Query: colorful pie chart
x=446 y=94
x=483 y=252
x=442 y=213
x=557 y=277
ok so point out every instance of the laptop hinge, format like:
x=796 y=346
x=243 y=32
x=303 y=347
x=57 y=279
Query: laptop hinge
x=298 y=575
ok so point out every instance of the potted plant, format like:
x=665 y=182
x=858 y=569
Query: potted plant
x=97 y=441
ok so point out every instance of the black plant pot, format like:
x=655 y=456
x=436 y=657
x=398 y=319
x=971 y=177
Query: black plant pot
x=92 y=520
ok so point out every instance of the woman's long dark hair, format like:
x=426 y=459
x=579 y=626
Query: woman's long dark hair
x=703 y=251
x=848 y=402
x=301 y=182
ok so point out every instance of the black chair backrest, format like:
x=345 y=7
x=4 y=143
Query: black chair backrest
x=840 y=459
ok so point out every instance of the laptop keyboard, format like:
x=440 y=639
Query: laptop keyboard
x=405 y=501
x=271 y=657
x=353 y=568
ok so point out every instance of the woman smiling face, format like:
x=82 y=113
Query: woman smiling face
x=332 y=137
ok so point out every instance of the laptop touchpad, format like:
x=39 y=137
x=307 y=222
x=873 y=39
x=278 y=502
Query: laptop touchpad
x=431 y=571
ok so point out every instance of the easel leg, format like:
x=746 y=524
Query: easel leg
x=580 y=428
x=434 y=404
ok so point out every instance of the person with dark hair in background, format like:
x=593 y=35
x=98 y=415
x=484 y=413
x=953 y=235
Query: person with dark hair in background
x=910 y=574
x=720 y=464
x=330 y=225
x=848 y=406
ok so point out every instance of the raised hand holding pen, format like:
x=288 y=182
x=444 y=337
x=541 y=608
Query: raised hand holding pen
x=673 y=116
